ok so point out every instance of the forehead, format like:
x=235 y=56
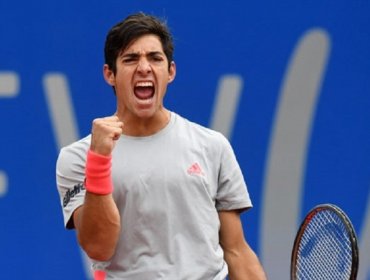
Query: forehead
x=144 y=44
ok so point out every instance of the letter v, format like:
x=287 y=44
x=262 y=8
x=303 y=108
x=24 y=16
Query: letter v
x=64 y=122
x=285 y=165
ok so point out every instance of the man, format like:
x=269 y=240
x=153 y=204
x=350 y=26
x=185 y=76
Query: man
x=151 y=194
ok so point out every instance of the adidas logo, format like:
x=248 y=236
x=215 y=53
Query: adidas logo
x=195 y=169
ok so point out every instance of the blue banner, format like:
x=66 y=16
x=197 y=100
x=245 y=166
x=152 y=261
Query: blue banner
x=287 y=83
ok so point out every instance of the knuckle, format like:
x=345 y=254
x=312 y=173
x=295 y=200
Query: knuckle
x=96 y=121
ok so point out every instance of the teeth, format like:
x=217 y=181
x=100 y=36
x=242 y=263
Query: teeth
x=144 y=84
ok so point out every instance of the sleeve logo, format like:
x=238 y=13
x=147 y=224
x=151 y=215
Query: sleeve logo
x=72 y=193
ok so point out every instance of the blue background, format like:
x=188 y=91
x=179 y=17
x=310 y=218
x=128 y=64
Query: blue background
x=252 y=39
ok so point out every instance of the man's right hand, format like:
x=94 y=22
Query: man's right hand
x=105 y=132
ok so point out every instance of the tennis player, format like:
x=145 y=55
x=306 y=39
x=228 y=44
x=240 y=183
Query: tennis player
x=151 y=194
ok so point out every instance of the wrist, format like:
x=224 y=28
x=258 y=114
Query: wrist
x=98 y=173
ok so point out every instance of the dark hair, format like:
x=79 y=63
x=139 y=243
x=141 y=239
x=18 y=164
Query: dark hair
x=130 y=29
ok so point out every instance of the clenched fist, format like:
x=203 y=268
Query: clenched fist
x=105 y=132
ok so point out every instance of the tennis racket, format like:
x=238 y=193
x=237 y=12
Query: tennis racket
x=325 y=246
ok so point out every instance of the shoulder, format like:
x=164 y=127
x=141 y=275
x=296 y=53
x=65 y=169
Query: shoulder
x=199 y=135
x=199 y=129
x=74 y=153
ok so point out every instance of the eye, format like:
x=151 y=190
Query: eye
x=157 y=59
x=128 y=60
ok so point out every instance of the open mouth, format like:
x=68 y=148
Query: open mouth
x=144 y=90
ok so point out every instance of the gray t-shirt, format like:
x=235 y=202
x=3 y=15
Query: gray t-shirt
x=168 y=188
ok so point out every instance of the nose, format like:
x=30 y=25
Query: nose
x=144 y=66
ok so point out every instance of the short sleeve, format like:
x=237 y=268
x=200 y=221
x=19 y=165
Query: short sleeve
x=232 y=193
x=70 y=176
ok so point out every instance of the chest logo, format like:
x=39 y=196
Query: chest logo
x=195 y=169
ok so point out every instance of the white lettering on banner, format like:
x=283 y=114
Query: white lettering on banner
x=226 y=104
x=9 y=88
x=9 y=84
x=285 y=165
x=64 y=122
x=60 y=109
x=3 y=183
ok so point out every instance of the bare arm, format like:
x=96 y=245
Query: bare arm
x=241 y=260
x=97 y=221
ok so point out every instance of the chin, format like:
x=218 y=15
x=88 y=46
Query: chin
x=145 y=113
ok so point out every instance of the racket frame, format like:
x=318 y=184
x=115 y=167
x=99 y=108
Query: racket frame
x=349 y=228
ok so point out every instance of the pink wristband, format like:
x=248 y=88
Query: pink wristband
x=99 y=275
x=98 y=173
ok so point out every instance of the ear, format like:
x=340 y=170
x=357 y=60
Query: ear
x=109 y=75
x=172 y=72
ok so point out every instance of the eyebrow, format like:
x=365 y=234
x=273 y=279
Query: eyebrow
x=137 y=54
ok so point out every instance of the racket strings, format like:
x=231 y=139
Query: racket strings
x=325 y=249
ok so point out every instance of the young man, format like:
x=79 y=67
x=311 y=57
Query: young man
x=151 y=194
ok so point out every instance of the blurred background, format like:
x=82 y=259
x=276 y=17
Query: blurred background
x=288 y=82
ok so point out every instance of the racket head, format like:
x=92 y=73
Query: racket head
x=325 y=246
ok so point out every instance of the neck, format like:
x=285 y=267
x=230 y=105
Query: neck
x=137 y=126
